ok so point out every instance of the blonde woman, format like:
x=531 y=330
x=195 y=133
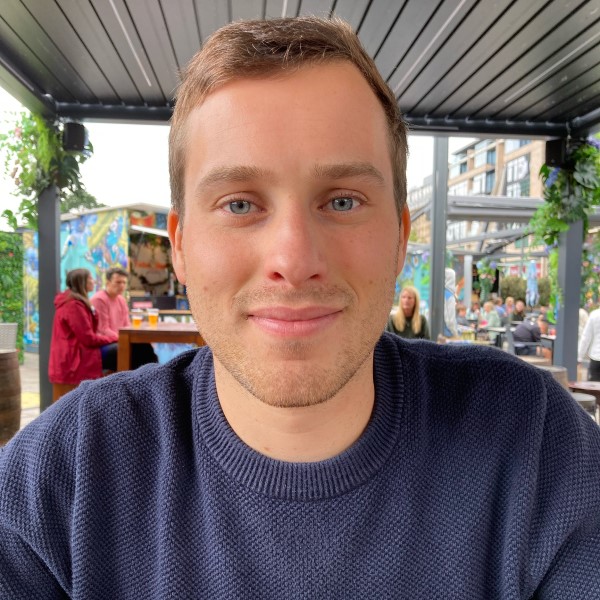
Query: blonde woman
x=407 y=322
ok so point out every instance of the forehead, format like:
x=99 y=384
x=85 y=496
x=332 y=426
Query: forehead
x=332 y=102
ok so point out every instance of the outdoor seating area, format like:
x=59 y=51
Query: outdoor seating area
x=300 y=299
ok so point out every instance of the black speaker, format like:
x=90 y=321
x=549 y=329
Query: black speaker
x=75 y=137
x=556 y=153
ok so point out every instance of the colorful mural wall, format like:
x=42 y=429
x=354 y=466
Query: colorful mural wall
x=94 y=241
x=31 y=332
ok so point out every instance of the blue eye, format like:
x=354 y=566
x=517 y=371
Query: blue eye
x=344 y=203
x=240 y=207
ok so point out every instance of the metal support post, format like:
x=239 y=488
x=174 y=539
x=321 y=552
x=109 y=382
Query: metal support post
x=438 y=235
x=49 y=281
x=569 y=280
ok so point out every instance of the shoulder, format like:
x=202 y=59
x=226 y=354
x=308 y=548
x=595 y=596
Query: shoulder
x=465 y=367
x=99 y=297
x=111 y=412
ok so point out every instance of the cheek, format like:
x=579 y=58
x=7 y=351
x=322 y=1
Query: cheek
x=215 y=262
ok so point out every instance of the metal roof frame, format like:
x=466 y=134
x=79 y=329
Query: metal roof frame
x=512 y=67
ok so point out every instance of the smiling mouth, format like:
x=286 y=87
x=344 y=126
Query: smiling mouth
x=286 y=322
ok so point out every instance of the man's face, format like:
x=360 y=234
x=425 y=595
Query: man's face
x=519 y=306
x=116 y=285
x=291 y=243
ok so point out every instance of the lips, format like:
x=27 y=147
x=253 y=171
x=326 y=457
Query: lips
x=285 y=321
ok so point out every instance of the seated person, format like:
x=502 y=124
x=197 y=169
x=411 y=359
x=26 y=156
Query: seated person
x=519 y=312
x=530 y=332
x=113 y=313
x=489 y=317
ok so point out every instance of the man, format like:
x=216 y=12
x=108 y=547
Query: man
x=113 y=313
x=530 y=332
x=589 y=345
x=303 y=453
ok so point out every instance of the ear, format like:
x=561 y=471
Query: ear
x=174 y=228
x=404 y=234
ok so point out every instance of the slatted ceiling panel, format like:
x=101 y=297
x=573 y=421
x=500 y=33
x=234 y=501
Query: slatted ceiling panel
x=483 y=85
x=14 y=49
x=211 y=16
x=37 y=53
x=320 y=8
x=85 y=22
x=74 y=52
x=513 y=73
x=560 y=83
x=291 y=7
x=560 y=86
x=535 y=66
x=182 y=28
x=351 y=11
x=149 y=21
x=561 y=97
x=582 y=103
x=452 y=80
x=492 y=64
x=377 y=23
x=455 y=32
x=246 y=9
x=400 y=41
x=129 y=56
x=274 y=9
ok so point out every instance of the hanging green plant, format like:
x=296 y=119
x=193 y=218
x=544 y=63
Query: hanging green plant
x=570 y=193
x=34 y=158
x=486 y=273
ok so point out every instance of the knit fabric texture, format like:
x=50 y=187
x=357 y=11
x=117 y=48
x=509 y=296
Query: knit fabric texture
x=477 y=477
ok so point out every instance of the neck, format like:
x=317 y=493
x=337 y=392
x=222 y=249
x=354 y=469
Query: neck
x=299 y=434
x=111 y=296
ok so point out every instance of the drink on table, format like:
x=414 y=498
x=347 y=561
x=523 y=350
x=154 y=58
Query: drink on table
x=153 y=317
x=136 y=318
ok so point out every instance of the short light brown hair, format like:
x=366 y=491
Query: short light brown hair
x=269 y=48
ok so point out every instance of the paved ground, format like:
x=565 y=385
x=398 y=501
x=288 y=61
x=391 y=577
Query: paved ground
x=30 y=388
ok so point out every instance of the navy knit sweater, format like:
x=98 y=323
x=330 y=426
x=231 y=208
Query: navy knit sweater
x=477 y=478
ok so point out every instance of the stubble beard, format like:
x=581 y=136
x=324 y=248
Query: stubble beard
x=298 y=380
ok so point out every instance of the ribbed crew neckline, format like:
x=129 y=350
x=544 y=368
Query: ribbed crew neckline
x=303 y=481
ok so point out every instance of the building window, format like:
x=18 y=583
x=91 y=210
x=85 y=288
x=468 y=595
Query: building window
x=512 y=145
x=478 y=186
x=460 y=189
x=490 y=179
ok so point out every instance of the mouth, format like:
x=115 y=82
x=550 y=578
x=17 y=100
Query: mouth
x=294 y=322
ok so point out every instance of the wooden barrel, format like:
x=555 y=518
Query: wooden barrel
x=10 y=395
x=559 y=373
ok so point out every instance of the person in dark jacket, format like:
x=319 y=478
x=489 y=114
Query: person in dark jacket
x=75 y=345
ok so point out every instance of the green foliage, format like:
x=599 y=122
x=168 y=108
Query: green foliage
x=570 y=193
x=11 y=284
x=590 y=274
x=34 y=159
x=514 y=286
x=486 y=274
x=544 y=290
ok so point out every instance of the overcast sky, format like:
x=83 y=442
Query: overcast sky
x=129 y=163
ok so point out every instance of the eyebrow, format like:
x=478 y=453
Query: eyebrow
x=233 y=173
x=363 y=170
x=241 y=173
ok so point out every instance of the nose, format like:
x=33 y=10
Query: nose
x=295 y=252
